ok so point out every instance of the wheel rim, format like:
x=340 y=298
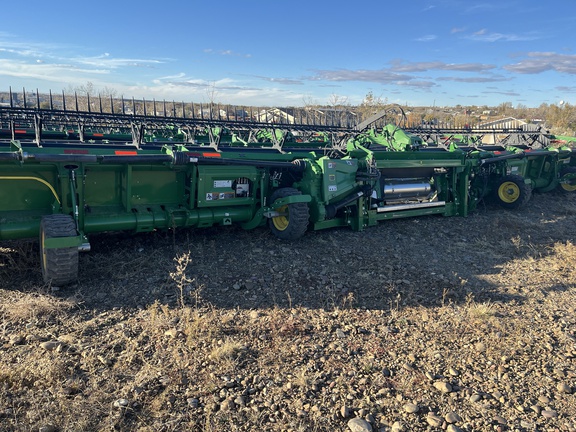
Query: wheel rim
x=568 y=187
x=281 y=222
x=509 y=192
x=43 y=249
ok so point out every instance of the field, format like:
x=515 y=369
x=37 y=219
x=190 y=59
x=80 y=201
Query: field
x=432 y=323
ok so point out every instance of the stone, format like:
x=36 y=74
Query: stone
x=51 y=345
x=549 y=413
x=16 y=339
x=411 y=408
x=434 y=420
x=228 y=405
x=544 y=399
x=475 y=397
x=173 y=333
x=500 y=420
x=452 y=417
x=527 y=425
x=359 y=425
x=442 y=386
x=564 y=388
x=121 y=403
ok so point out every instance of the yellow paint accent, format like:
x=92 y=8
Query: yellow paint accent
x=44 y=182
x=281 y=222
x=509 y=192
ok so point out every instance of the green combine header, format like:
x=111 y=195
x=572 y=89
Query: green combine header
x=66 y=174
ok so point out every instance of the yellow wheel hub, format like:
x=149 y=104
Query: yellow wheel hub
x=509 y=192
x=568 y=187
x=281 y=222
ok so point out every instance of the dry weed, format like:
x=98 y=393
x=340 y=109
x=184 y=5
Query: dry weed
x=226 y=350
x=482 y=311
x=35 y=306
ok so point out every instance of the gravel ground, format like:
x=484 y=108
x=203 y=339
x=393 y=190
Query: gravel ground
x=432 y=323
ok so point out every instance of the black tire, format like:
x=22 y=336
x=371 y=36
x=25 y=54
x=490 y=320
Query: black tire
x=293 y=222
x=566 y=187
x=60 y=265
x=512 y=192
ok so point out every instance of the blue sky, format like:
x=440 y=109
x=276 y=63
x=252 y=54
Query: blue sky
x=293 y=53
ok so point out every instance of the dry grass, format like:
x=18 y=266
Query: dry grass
x=34 y=306
x=438 y=300
x=482 y=311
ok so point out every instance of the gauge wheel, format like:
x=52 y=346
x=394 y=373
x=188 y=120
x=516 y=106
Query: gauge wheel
x=565 y=187
x=512 y=192
x=292 y=221
x=59 y=265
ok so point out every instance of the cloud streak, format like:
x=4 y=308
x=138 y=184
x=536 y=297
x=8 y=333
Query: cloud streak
x=485 y=36
x=498 y=78
x=400 y=66
x=107 y=61
x=538 y=62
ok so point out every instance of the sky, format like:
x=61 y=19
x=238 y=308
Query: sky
x=296 y=52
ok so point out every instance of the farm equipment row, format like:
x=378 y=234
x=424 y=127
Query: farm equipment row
x=291 y=177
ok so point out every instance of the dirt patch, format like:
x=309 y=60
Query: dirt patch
x=416 y=324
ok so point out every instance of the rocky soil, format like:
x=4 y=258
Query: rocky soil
x=456 y=324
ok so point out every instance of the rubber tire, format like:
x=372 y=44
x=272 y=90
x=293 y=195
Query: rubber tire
x=567 y=188
x=512 y=192
x=59 y=266
x=295 y=224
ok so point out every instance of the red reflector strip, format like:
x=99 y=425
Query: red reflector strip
x=98 y=134
x=214 y=155
x=75 y=151
x=125 y=153
x=497 y=152
x=20 y=131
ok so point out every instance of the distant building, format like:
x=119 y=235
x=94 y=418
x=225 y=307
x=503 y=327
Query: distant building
x=503 y=125
x=275 y=115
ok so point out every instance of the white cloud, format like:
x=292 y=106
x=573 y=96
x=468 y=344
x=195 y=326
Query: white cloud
x=538 y=62
x=487 y=79
x=401 y=66
x=427 y=38
x=484 y=36
x=379 y=76
x=106 y=61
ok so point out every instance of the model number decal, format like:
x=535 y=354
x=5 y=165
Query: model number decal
x=222 y=183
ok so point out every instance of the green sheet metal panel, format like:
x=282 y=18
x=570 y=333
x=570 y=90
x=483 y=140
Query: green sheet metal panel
x=220 y=186
x=28 y=189
x=339 y=177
